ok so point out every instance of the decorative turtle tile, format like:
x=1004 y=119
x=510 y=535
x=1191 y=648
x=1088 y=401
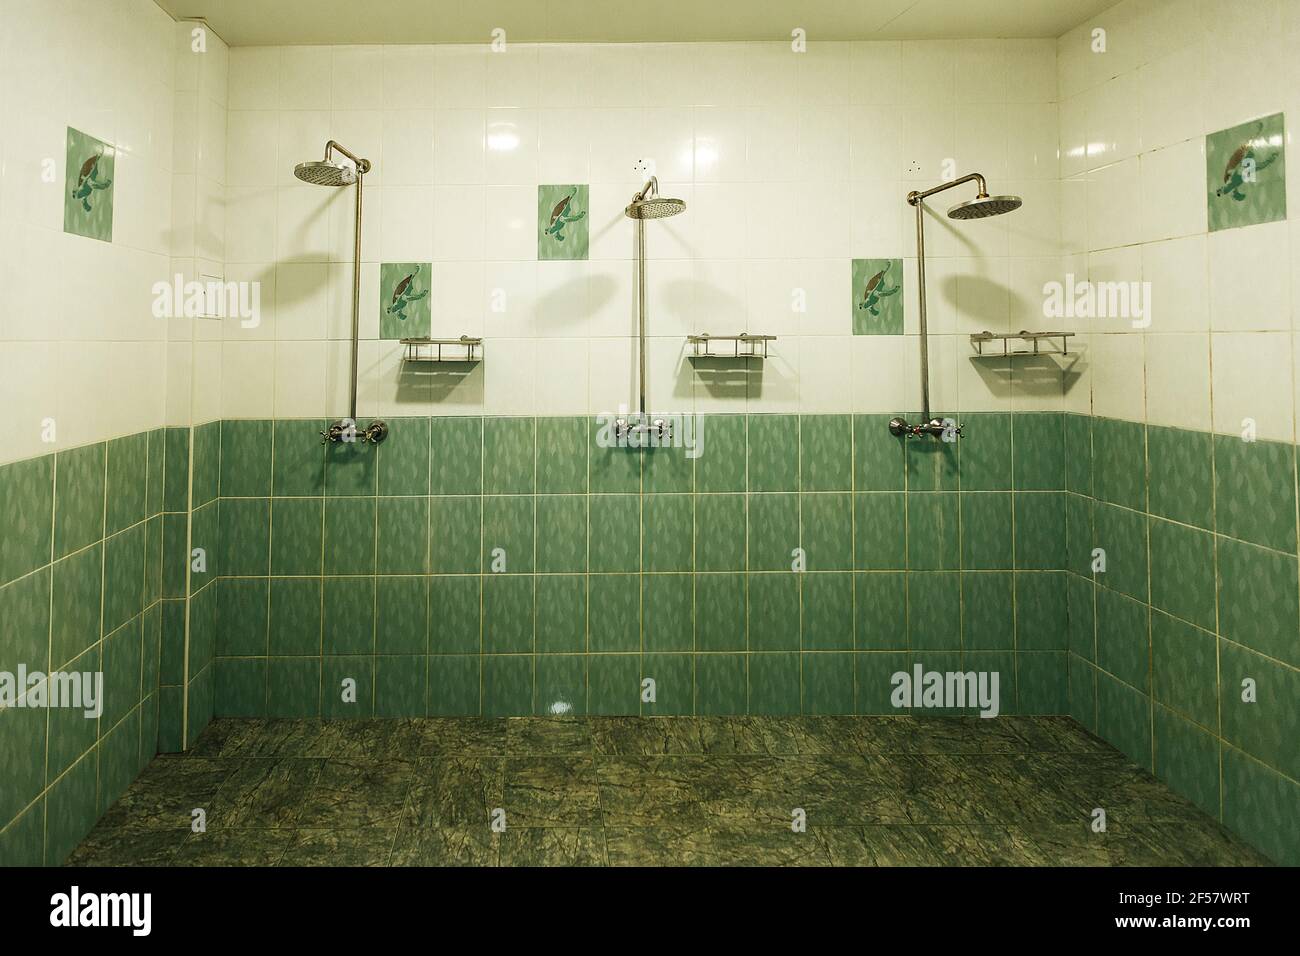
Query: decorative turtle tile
x=715 y=845
x=88 y=192
x=1245 y=171
x=404 y=304
x=361 y=847
x=562 y=223
x=444 y=846
x=553 y=846
x=454 y=791
x=877 y=297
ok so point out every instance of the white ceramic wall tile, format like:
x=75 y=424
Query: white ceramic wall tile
x=1252 y=379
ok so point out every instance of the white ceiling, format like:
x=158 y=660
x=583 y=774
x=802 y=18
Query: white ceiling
x=266 y=22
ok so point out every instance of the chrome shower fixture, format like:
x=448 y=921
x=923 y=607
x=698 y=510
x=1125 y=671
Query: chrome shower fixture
x=981 y=207
x=646 y=204
x=327 y=172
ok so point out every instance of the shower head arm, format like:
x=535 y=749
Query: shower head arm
x=915 y=197
x=651 y=188
x=363 y=165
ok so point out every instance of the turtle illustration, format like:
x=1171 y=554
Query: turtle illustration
x=88 y=179
x=404 y=294
x=561 y=216
x=1243 y=168
x=876 y=289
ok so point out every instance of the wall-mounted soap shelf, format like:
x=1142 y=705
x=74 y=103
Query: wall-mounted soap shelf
x=1035 y=339
x=463 y=349
x=743 y=345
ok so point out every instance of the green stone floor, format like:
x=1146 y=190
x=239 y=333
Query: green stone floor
x=940 y=791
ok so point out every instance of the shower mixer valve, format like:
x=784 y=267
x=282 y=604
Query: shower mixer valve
x=347 y=432
x=945 y=429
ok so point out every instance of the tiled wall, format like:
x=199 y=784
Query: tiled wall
x=620 y=563
x=80 y=587
x=1199 y=593
x=791 y=165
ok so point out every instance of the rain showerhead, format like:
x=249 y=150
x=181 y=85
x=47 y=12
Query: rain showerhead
x=648 y=204
x=320 y=173
x=981 y=207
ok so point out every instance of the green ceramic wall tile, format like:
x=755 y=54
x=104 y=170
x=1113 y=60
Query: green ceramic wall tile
x=1041 y=611
x=1124 y=719
x=674 y=684
x=78 y=517
x=720 y=612
x=295 y=626
x=348 y=616
x=402 y=618
x=872 y=676
x=509 y=456
x=456 y=453
x=1039 y=530
x=615 y=541
x=507 y=684
x=403 y=535
x=359 y=674
x=298 y=466
x=245 y=535
x=1078 y=454
x=293 y=687
x=774 y=683
x=879 y=531
x=561 y=613
x=877 y=297
x=170 y=720
x=1257 y=599
x=1042 y=683
x=985 y=531
x=297 y=526
x=826 y=453
x=240 y=688
x=203 y=626
x=828 y=612
x=1254 y=491
x=508 y=615
x=1119 y=462
x=667 y=469
x=561 y=533
x=1182 y=572
x=1038 y=442
x=1044 y=679
x=171 y=664
x=561 y=455
x=560 y=685
x=1187 y=759
x=1268 y=726
x=75 y=608
x=22 y=842
x=613 y=613
x=720 y=532
x=400 y=686
x=1260 y=805
x=350 y=468
x=1081 y=635
x=176 y=469
x=70 y=734
x=827 y=683
x=1122 y=534
x=987 y=612
x=455 y=613
x=932 y=464
x=826 y=531
x=667 y=603
x=773 y=531
x=1080 y=537
x=455 y=533
x=880 y=610
x=403 y=460
x=404 y=304
x=119 y=755
x=612 y=469
x=721 y=462
x=242 y=616
x=25 y=608
x=153 y=556
x=1245 y=173
x=877 y=455
x=667 y=522
x=985 y=463
x=613 y=684
x=1083 y=693
x=245 y=459
x=1185 y=669
x=126 y=488
x=720 y=683
x=773 y=612
x=1182 y=479
x=123 y=577
x=454 y=685
x=508 y=523
x=176 y=553
x=934 y=610
x=71 y=809
x=1123 y=639
x=88 y=188
x=205 y=473
x=773 y=453
x=933 y=532
x=562 y=221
